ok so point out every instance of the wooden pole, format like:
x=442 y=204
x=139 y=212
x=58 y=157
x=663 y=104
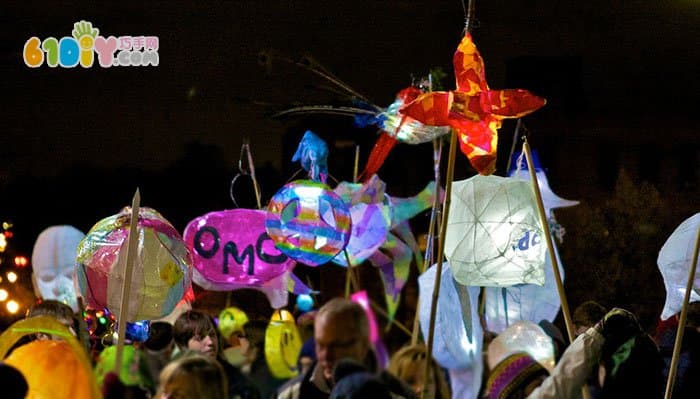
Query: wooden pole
x=355 y=168
x=550 y=248
x=550 y=245
x=126 y=286
x=430 y=240
x=440 y=254
x=390 y=321
x=251 y=168
x=681 y=323
x=350 y=278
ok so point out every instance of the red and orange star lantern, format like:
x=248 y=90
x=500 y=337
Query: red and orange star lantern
x=474 y=110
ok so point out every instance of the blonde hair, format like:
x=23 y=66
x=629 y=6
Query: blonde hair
x=193 y=376
x=409 y=361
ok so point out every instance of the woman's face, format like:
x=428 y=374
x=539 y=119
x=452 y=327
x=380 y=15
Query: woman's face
x=205 y=345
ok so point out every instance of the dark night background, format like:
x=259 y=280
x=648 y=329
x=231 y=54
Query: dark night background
x=619 y=132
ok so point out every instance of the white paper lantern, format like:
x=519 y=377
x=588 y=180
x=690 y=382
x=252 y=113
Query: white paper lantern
x=523 y=336
x=494 y=236
x=458 y=335
x=674 y=264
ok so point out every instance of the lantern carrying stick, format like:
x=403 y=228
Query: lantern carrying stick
x=245 y=148
x=434 y=220
x=440 y=254
x=550 y=248
x=681 y=323
x=350 y=277
x=449 y=177
x=550 y=245
x=126 y=286
x=356 y=165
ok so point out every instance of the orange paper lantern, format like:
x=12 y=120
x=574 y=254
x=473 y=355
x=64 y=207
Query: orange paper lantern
x=52 y=369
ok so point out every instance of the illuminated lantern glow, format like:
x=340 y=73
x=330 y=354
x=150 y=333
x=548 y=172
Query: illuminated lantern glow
x=375 y=338
x=305 y=303
x=473 y=109
x=231 y=320
x=232 y=247
x=674 y=263
x=312 y=153
x=21 y=261
x=128 y=374
x=369 y=232
x=458 y=335
x=282 y=345
x=396 y=127
x=162 y=271
x=494 y=236
x=37 y=360
x=522 y=336
x=12 y=306
x=308 y=222
x=3 y=294
x=506 y=305
x=11 y=277
x=54 y=264
x=276 y=289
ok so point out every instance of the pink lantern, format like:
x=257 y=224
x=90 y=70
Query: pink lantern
x=308 y=222
x=162 y=271
x=232 y=248
x=375 y=338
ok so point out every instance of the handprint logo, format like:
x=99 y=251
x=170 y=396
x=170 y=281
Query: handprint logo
x=85 y=34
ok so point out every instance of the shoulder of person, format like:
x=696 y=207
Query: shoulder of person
x=398 y=388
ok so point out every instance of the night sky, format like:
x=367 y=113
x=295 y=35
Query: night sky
x=620 y=79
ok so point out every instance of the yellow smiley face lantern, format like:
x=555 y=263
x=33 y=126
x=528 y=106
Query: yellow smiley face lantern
x=282 y=345
x=231 y=320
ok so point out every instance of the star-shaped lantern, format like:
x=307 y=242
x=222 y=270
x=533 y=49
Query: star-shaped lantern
x=473 y=110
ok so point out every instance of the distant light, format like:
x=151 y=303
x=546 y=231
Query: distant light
x=11 y=277
x=21 y=261
x=3 y=242
x=12 y=306
x=3 y=294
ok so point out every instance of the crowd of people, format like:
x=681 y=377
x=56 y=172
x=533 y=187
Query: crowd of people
x=612 y=357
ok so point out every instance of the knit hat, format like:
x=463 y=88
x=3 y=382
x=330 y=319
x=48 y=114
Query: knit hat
x=512 y=374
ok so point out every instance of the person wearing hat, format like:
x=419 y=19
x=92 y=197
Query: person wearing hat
x=515 y=377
